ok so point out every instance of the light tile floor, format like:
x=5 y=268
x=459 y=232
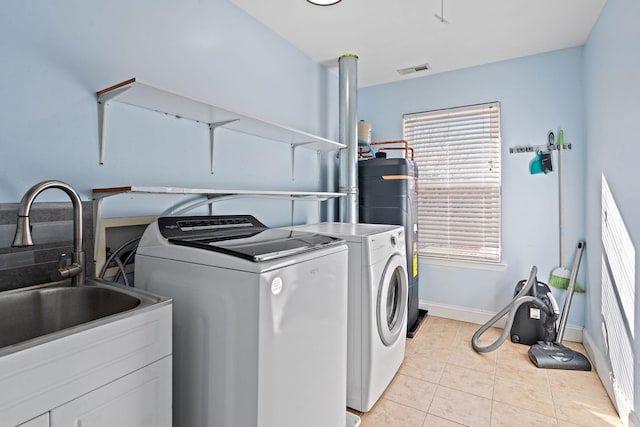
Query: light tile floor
x=444 y=382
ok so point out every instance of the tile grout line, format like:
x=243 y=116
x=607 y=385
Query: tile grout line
x=553 y=400
x=437 y=383
x=493 y=392
x=444 y=366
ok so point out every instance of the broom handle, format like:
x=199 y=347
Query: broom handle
x=561 y=194
x=570 y=290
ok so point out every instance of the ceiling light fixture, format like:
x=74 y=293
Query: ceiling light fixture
x=441 y=16
x=414 y=69
x=324 y=2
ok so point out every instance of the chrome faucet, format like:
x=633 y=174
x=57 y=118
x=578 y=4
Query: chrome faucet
x=23 y=230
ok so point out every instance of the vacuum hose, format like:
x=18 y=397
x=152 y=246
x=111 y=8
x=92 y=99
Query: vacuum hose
x=511 y=309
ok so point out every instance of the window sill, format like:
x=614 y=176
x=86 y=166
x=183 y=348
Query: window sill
x=475 y=265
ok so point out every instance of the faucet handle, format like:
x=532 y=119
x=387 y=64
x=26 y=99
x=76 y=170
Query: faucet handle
x=64 y=261
x=66 y=267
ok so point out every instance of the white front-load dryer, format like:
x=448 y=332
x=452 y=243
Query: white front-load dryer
x=377 y=306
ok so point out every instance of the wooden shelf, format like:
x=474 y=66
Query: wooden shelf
x=137 y=93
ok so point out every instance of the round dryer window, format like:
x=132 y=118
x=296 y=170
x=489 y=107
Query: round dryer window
x=391 y=306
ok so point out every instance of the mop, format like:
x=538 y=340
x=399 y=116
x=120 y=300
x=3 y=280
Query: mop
x=560 y=275
x=554 y=355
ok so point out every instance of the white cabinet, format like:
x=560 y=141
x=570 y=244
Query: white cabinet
x=41 y=421
x=101 y=362
x=142 y=398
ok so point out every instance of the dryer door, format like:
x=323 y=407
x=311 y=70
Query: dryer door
x=391 y=305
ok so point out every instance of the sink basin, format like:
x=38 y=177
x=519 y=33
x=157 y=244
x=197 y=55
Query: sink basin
x=42 y=311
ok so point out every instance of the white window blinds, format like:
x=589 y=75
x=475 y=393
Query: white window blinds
x=457 y=152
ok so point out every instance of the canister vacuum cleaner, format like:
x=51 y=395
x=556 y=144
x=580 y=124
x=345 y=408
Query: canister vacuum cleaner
x=531 y=320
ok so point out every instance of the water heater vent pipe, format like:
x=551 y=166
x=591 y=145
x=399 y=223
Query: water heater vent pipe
x=348 y=107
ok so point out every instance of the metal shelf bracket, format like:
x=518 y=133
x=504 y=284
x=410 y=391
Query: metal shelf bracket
x=212 y=131
x=103 y=109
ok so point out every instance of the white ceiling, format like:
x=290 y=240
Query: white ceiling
x=388 y=35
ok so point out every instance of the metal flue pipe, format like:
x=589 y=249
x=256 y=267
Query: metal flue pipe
x=348 y=174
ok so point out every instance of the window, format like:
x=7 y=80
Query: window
x=457 y=152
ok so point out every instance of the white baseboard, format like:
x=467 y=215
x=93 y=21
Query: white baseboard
x=599 y=363
x=602 y=367
x=480 y=317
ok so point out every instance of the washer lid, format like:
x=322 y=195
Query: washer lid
x=242 y=236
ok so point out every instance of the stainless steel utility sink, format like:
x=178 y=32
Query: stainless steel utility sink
x=58 y=309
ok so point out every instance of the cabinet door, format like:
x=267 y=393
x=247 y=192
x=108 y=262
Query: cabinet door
x=140 y=399
x=41 y=421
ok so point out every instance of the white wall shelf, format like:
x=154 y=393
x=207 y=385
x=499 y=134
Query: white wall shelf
x=137 y=93
x=100 y=193
x=211 y=196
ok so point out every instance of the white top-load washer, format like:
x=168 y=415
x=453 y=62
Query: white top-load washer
x=377 y=306
x=260 y=326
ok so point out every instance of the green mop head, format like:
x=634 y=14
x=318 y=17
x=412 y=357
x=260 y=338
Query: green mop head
x=560 y=279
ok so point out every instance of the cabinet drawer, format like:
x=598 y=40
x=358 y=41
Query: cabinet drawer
x=142 y=398
x=41 y=421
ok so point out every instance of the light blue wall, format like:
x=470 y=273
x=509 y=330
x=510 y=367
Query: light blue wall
x=57 y=54
x=537 y=94
x=612 y=88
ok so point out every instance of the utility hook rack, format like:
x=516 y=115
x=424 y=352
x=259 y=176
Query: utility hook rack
x=551 y=145
x=536 y=148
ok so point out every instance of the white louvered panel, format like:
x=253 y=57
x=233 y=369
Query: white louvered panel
x=617 y=337
x=620 y=254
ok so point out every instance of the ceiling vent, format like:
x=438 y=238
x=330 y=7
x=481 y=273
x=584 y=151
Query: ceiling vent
x=414 y=69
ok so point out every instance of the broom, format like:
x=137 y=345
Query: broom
x=560 y=276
